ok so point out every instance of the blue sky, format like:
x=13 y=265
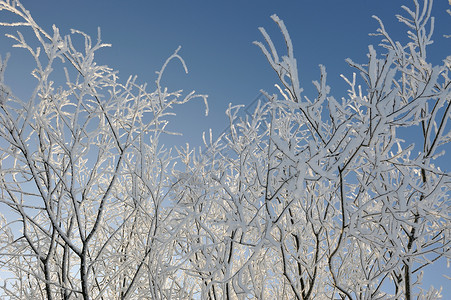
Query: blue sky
x=216 y=39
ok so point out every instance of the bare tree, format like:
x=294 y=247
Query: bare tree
x=84 y=173
x=321 y=198
x=306 y=198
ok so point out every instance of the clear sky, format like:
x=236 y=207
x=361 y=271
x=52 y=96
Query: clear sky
x=216 y=39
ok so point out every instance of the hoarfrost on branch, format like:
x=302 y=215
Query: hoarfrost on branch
x=306 y=198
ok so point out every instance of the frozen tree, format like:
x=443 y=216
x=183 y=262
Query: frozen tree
x=82 y=169
x=306 y=198
x=322 y=198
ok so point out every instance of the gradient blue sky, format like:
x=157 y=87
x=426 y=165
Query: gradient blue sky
x=216 y=39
